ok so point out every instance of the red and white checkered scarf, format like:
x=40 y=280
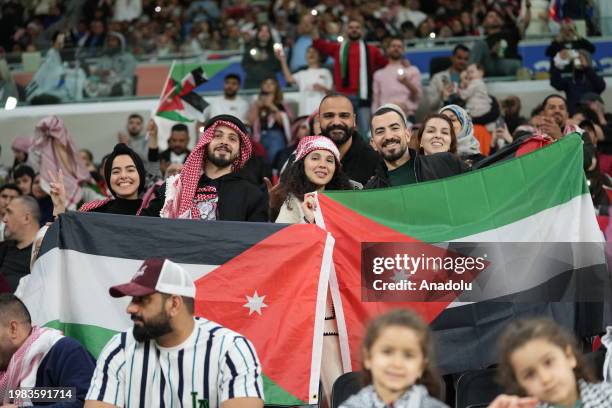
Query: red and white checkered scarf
x=181 y=189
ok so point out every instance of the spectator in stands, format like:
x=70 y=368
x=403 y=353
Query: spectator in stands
x=125 y=177
x=511 y=107
x=436 y=135
x=581 y=81
x=24 y=177
x=408 y=32
x=299 y=129
x=552 y=121
x=45 y=204
x=177 y=151
x=135 y=138
x=270 y=118
x=498 y=53
x=113 y=74
x=568 y=39
x=354 y=65
x=8 y=87
x=232 y=103
x=93 y=42
x=449 y=78
x=7 y=193
x=33 y=356
x=303 y=42
x=21 y=223
x=412 y=12
x=402 y=165
x=399 y=82
x=209 y=187
x=473 y=90
x=87 y=158
x=338 y=122
x=258 y=60
x=162 y=309
x=21 y=147
x=316 y=168
x=468 y=147
x=313 y=82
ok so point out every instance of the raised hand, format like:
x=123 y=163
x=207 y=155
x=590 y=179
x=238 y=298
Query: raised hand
x=57 y=191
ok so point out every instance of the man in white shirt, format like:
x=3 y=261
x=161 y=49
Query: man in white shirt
x=171 y=358
x=232 y=103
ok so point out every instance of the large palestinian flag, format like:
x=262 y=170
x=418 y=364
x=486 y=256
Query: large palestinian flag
x=179 y=101
x=533 y=201
x=265 y=281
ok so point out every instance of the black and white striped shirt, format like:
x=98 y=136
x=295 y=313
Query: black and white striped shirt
x=214 y=364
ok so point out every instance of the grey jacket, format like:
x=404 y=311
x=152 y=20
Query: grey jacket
x=415 y=397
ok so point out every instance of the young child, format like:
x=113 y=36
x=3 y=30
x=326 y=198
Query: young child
x=398 y=363
x=473 y=90
x=541 y=366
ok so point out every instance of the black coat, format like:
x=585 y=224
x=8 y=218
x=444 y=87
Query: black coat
x=432 y=167
x=239 y=200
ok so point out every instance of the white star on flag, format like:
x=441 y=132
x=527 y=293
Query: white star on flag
x=255 y=303
x=399 y=276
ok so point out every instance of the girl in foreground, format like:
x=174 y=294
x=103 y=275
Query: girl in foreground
x=542 y=367
x=398 y=362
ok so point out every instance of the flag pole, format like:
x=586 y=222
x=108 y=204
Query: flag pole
x=162 y=96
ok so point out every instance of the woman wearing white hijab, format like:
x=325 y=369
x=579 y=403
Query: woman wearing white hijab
x=468 y=147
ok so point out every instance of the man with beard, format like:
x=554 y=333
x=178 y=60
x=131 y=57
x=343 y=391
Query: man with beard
x=209 y=187
x=135 y=138
x=171 y=358
x=232 y=103
x=354 y=65
x=402 y=165
x=338 y=122
x=7 y=193
x=32 y=356
x=398 y=83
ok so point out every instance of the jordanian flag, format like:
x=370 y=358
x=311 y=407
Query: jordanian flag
x=265 y=281
x=538 y=198
x=179 y=101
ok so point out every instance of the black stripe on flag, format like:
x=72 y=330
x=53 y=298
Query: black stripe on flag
x=181 y=354
x=96 y=234
x=232 y=368
x=248 y=346
x=195 y=100
x=199 y=76
x=145 y=369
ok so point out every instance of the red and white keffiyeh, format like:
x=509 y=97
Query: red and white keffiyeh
x=309 y=144
x=181 y=189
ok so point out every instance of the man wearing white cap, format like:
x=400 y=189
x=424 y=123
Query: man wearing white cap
x=171 y=358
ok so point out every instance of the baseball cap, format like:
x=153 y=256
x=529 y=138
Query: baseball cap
x=157 y=275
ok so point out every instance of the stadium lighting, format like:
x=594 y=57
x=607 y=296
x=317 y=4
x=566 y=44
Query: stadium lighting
x=340 y=38
x=253 y=52
x=11 y=103
x=314 y=12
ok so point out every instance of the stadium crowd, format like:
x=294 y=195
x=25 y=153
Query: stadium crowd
x=356 y=127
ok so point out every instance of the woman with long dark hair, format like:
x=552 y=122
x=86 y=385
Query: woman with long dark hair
x=316 y=168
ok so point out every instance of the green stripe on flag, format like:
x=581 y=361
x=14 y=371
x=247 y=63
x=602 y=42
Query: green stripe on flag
x=477 y=201
x=94 y=338
x=174 y=115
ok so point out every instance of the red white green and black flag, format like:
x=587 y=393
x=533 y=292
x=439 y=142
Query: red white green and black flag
x=178 y=101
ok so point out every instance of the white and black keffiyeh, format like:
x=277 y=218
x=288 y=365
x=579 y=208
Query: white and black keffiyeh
x=592 y=395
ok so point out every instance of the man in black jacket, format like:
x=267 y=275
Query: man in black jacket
x=402 y=165
x=209 y=186
x=177 y=151
x=338 y=122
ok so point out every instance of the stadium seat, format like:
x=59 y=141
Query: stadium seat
x=346 y=385
x=596 y=360
x=438 y=64
x=477 y=388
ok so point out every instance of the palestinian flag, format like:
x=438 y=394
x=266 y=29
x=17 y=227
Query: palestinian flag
x=179 y=101
x=533 y=201
x=265 y=281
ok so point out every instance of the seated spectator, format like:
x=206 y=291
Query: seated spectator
x=258 y=60
x=270 y=118
x=125 y=177
x=437 y=135
x=446 y=81
x=498 y=53
x=24 y=177
x=398 y=82
x=473 y=90
x=162 y=308
x=231 y=103
x=21 y=223
x=468 y=147
x=54 y=149
x=177 y=151
x=583 y=78
x=298 y=58
x=568 y=40
x=93 y=42
x=316 y=168
x=113 y=73
x=313 y=82
x=7 y=193
x=511 y=107
x=136 y=138
x=87 y=157
x=209 y=187
x=402 y=165
x=34 y=356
